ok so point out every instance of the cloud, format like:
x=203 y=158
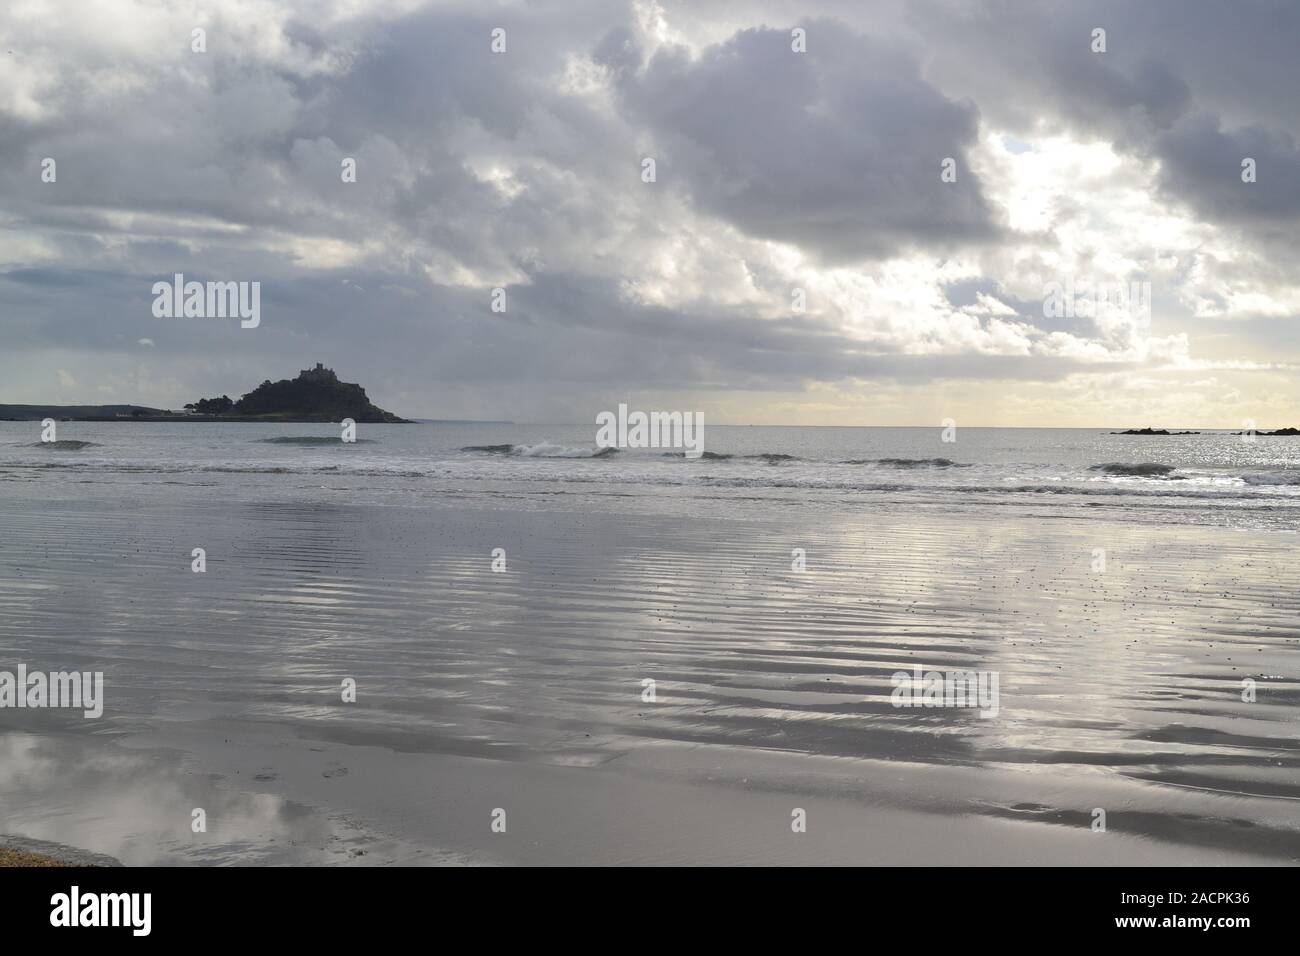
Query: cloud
x=837 y=150
x=1202 y=164
x=777 y=171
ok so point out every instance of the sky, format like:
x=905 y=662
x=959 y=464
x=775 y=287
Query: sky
x=798 y=257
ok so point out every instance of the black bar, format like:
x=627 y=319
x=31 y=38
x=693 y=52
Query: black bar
x=642 y=908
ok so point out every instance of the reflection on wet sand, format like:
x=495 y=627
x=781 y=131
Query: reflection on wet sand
x=1120 y=690
x=140 y=808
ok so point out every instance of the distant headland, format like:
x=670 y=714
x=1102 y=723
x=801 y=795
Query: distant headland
x=1279 y=433
x=316 y=395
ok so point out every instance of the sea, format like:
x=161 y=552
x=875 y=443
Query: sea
x=1215 y=477
x=647 y=658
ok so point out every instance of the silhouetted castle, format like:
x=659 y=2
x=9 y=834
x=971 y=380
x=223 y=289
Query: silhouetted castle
x=318 y=374
x=315 y=395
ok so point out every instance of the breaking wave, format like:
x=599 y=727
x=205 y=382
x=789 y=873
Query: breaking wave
x=541 y=450
x=1144 y=470
x=65 y=444
x=772 y=458
x=907 y=462
x=1273 y=478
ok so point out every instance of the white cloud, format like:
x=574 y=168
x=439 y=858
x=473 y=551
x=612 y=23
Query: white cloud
x=522 y=170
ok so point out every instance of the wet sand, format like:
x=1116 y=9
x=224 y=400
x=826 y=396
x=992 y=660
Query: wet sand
x=20 y=858
x=1120 y=690
x=18 y=851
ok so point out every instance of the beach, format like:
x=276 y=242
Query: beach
x=523 y=689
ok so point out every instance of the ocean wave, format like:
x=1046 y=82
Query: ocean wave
x=1151 y=491
x=65 y=444
x=541 y=450
x=907 y=462
x=1143 y=470
x=772 y=458
x=312 y=440
x=1272 y=478
x=1282 y=487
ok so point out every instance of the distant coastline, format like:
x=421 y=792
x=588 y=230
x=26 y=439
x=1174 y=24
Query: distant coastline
x=315 y=396
x=1280 y=432
x=126 y=414
x=1152 y=431
x=459 y=421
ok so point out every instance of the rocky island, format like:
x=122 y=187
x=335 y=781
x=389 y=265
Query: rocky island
x=316 y=395
x=1279 y=433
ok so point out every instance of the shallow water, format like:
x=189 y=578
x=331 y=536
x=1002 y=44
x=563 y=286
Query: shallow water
x=1120 y=688
x=1218 y=477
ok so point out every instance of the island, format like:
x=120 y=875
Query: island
x=1152 y=431
x=316 y=395
x=1278 y=433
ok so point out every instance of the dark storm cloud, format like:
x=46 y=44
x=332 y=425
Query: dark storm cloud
x=1202 y=165
x=837 y=150
x=477 y=170
x=577 y=331
x=1195 y=85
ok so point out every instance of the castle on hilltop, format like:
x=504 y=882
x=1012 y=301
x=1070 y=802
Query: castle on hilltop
x=318 y=374
x=315 y=395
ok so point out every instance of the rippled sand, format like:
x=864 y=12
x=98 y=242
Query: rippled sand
x=1120 y=690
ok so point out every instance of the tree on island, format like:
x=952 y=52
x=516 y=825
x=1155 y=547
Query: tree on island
x=212 y=406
